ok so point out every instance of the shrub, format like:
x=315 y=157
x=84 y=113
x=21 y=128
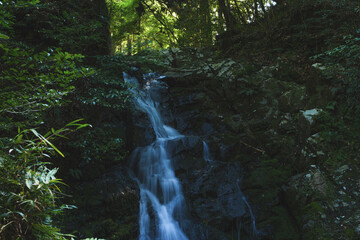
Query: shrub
x=29 y=189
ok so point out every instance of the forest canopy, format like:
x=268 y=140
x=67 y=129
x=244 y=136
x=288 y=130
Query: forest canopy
x=141 y=24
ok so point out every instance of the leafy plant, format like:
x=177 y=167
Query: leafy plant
x=341 y=133
x=97 y=148
x=29 y=190
x=33 y=82
x=341 y=65
x=63 y=23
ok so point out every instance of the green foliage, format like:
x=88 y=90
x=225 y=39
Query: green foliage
x=341 y=66
x=97 y=149
x=76 y=27
x=33 y=82
x=124 y=18
x=29 y=189
x=105 y=88
x=138 y=25
x=341 y=133
x=153 y=24
x=3 y=36
x=7 y=9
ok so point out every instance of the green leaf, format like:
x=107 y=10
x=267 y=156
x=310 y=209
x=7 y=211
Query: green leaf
x=73 y=122
x=28 y=183
x=45 y=140
x=50 y=175
x=3 y=36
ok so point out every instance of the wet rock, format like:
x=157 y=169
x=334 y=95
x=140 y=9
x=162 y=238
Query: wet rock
x=273 y=87
x=357 y=230
x=186 y=153
x=287 y=124
x=202 y=231
x=234 y=123
x=310 y=114
x=189 y=99
x=231 y=203
x=143 y=134
x=185 y=121
x=293 y=99
x=214 y=194
x=306 y=123
x=158 y=90
x=343 y=169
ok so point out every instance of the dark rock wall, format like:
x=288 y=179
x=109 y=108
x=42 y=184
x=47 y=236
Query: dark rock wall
x=261 y=127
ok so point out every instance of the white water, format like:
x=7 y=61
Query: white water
x=254 y=232
x=161 y=197
x=206 y=152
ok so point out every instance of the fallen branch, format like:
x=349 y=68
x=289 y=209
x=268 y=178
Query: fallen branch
x=252 y=147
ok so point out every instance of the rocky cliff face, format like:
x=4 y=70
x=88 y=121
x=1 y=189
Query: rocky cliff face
x=262 y=128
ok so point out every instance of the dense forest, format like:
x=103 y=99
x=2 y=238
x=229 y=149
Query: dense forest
x=263 y=94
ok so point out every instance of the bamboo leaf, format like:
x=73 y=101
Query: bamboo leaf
x=73 y=122
x=45 y=140
x=28 y=183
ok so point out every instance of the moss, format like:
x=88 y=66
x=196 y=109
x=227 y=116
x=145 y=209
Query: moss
x=350 y=233
x=317 y=232
x=281 y=222
x=270 y=173
x=314 y=208
x=285 y=72
x=230 y=138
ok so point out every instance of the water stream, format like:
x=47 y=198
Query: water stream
x=206 y=152
x=161 y=197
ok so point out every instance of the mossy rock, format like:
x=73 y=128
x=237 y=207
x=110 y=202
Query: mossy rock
x=270 y=173
x=293 y=100
x=284 y=227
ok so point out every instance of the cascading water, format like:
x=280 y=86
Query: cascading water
x=206 y=152
x=161 y=197
x=160 y=190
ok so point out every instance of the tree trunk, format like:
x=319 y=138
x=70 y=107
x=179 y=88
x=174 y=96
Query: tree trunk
x=221 y=20
x=103 y=9
x=226 y=12
x=129 y=45
x=206 y=31
x=256 y=10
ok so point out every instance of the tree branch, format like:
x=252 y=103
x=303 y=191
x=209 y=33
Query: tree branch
x=161 y=21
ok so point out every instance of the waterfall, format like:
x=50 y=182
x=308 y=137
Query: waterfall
x=253 y=224
x=254 y=233
x=206 y=152
x=161 y=197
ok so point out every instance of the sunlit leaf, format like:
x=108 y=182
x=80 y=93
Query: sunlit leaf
x=28 y=183
x=45 y=140
x=3 y=36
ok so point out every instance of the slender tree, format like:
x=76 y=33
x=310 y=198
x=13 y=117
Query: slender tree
x=206 y=28
x=225 y=11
